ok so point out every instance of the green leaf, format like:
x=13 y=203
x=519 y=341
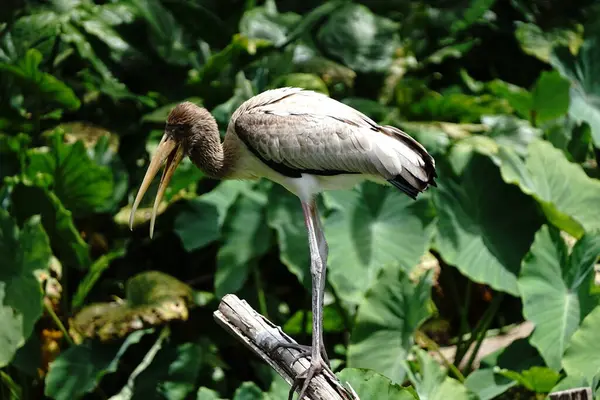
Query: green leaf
x=581 y=357
x=207 y=394
x=268 y=24
x=537 y=379
x=369 y=385
x=173 y=372
x=566 y=194
x=28 y=200
x=477 y=228
x=79 y=369
x=41 y=84
x=550 y=96
x=371 y=228
x=200 y=222
x=538 y=43
x=386 y=321
x=94 y=273
x=487 y=384
x=581 y=71
x=24 y=253
x=431 y=381
x=153 y=298
x=246 y=237
x=362 y=40
x=249 y=391
x=475 y=11
x=302 y=80
x=285 y=216
x=555 y=290
x=80 y=184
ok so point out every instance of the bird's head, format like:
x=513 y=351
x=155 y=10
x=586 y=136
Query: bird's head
x=186 y=125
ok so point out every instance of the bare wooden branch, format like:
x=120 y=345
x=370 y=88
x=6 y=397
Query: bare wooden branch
x=261 y=336
x=572 y=394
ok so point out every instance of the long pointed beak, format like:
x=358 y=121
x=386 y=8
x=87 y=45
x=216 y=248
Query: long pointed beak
x=170 y=151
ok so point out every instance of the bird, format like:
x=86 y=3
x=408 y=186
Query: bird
x=308 y=143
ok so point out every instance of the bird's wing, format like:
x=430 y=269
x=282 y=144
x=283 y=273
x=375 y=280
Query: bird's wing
x=297 y=131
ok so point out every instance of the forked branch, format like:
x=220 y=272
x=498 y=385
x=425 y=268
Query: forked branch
x=262 y=336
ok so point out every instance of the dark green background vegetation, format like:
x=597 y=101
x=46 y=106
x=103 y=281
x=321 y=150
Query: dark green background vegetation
x=505 y=94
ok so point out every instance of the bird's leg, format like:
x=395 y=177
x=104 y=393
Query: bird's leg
x=323 y=252
x=317 y=271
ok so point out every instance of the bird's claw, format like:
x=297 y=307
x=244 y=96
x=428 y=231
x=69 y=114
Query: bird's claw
x=316 y=366
x=305 y=351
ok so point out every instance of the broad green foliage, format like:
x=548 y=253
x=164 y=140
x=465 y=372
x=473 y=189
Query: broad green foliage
x=567 y=196
x=580 y=357
x=44 y=85
x=431 y=381
x=369 y=385
x=78 y=370
x=82 y=185
x=364 y=230
x=581 y=71
x=385 y=322
x=503 y=94
x=25 y=253
x=483 y=238
x=248 y=238
x=555 y=290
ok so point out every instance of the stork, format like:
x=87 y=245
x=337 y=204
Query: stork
x=306 y=142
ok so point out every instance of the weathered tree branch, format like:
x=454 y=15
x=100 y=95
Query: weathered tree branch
x=261 y=336
x=572 y=394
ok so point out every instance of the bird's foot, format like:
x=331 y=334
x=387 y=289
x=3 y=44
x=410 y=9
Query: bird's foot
x=305 y=351
x=316 y=366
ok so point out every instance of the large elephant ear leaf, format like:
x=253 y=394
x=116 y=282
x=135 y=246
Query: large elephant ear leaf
x=555 y=290
x=567 y=195
x=24 y=253
x=484 y=221
x=582 y=71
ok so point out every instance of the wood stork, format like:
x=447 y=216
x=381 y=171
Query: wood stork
x=304 y=141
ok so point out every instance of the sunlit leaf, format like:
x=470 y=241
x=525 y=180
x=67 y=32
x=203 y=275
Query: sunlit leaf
x=483 y=221
x=567 y=195
x=371 y=228
x=581 y=356
x=432 y=382
x=79 y=369
x=555 y=290
x=487 y=384
x=302 y=80
x=581 y=71
x=24 y=252
x=386 y=321
x=538 y=43
x=153 y=298
x=537 y=379
x=369 y=385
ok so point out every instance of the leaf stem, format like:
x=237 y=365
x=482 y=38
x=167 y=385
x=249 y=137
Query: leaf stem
x=464 y=325
x=58 y=322
x=260 y=292
x=431 y=345
x=482 y=328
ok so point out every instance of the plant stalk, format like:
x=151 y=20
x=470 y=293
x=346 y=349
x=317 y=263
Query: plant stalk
x=58 y=323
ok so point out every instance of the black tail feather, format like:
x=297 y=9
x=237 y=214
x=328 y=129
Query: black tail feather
x=402 y=184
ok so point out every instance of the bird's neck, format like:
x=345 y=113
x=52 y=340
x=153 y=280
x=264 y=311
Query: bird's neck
x=213 y=158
